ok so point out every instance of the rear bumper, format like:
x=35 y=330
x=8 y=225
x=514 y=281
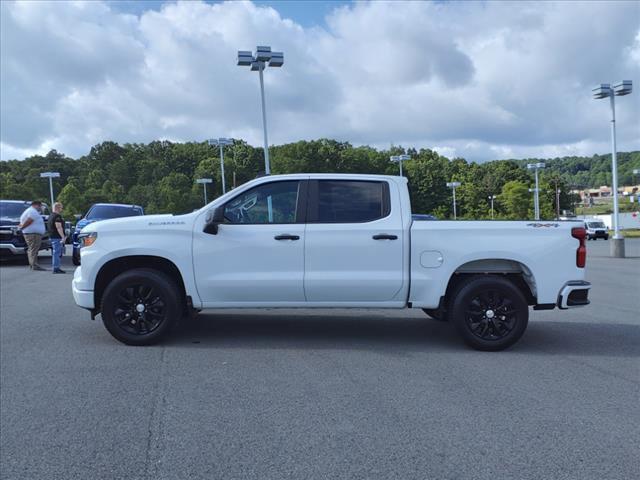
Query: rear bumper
x=574 y=294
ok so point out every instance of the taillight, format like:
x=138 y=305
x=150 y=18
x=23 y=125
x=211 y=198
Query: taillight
x=581 y=254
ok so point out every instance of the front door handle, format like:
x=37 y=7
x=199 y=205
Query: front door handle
x=286 y=236
x=385 y=236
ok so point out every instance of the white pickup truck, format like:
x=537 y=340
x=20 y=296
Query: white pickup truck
x=327 y=240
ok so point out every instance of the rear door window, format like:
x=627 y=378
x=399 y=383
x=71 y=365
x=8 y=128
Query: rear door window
x=348 y=201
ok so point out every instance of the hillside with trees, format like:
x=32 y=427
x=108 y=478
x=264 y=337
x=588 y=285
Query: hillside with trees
x=161 y=175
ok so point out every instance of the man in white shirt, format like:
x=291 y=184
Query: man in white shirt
x=32 y=226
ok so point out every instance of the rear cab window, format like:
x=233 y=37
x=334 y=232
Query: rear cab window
x=348 y=201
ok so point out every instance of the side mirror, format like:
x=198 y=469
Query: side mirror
x=214 y=218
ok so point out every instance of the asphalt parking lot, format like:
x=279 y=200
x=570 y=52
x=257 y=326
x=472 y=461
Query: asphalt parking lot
x=305 y=394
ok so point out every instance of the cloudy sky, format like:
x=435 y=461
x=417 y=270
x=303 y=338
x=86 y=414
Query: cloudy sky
x=480 y=80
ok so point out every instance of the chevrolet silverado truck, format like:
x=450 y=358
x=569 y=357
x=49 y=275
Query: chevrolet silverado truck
x=327 y=240
x=12 y=242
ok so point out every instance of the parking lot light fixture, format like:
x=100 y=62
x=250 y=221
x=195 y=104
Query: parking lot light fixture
x=536 y=191
x=399 y=159
x=453 y=186
x=221 y=142
x=50 y=176
x=491 y=199
x=605 y=90
x=204 y=182
x=257 y=62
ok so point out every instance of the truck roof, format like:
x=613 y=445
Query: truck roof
x=339 y=176
x=24 y=202
x=116 y=204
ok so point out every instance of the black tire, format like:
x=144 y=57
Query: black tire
x=75 y=257
x=140 y=306
x=606 y=237
x=437 y=314
x=477 y=298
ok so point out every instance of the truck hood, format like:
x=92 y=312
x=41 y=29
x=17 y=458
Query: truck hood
x=137 y=223
x=9 y=222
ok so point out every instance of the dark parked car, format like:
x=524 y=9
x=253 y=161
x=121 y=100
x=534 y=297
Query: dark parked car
x=421 y=216
x=102 y=211
x=12 y=243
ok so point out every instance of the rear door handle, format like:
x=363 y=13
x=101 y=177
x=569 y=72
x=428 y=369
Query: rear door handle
x=385 y=236
x=286 y=236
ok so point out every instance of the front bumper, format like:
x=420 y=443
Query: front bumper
x=574 y=294
x=83 y=298
x=11 y=248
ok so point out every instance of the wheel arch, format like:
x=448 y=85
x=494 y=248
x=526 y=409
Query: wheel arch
x=113 y=267
x=514 y=271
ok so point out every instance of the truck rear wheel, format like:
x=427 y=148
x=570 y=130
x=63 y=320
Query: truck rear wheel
x=140 y=306
x=490 y=313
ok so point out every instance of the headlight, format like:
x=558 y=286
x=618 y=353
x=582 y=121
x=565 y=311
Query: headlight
x=88 y=239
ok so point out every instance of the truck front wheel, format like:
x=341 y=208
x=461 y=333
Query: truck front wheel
x=140 y=306
x=490 y=313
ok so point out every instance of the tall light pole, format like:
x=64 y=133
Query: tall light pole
x=50 y=176
x=258 y=62
x=492 y=198
x=204 y=182
x=605 y=90
x=536 y=191
x=221 y=142
x=453 y=186
x=399 y=159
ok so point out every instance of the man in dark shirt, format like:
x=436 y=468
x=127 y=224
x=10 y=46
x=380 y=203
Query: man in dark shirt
x=56 y=233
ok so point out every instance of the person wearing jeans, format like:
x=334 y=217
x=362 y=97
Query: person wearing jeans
x=56 y=233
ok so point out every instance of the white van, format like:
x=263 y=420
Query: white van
x=596 y=229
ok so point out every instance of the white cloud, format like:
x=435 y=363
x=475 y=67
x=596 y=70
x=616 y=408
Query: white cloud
x=479 y=80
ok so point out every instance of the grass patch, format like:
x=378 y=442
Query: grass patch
x=630 y=233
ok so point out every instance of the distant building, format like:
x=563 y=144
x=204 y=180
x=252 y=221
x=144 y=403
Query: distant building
x=589 y=196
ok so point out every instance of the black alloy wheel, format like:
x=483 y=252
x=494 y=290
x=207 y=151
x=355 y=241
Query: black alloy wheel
x=139 y=310
x=490 y=312
x=140 y=306
x=490 y=315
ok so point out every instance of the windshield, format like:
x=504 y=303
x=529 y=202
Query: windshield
x=596 y=225
x=11 y=209
x=103 y=212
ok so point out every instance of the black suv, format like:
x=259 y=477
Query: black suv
x=12 y=243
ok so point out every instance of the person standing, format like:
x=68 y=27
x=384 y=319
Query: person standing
x=32 y=226
x=57 y=236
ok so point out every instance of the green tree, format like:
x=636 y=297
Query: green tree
x=515 y=200
x=175 y=194
x=72 y=199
